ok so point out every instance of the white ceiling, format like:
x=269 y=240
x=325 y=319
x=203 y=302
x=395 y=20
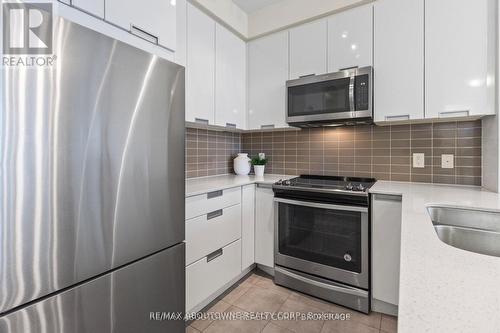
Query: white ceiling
x=250 y=6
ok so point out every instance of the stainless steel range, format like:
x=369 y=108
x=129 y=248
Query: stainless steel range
x=322 y=238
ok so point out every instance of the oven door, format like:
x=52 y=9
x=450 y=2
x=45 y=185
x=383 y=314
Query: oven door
x=326 y=240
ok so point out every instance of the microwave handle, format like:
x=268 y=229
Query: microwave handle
x=351 y=93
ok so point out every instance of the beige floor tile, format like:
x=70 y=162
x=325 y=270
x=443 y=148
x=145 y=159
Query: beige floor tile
x=201 y=324
x=190 y=329
x=372 y=320
x=236 y=326
x=268 y=283
x=260 y=300
x=250 y=281
x=236 y=293
x=300 y=326
x=273 y=328
x=347 y=326
x=389 y=324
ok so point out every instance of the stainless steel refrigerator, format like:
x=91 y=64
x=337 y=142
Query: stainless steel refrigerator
x=92 y=190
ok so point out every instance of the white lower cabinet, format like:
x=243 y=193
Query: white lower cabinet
x=210 y=232
x=247 y=226
x=208 y=202
x=207 y=275
x=264 y=226
x=386 y=248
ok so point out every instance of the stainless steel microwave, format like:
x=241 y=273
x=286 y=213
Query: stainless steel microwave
x=343 y=97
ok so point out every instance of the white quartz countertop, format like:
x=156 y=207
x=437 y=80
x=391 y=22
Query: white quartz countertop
x=443 y=289
x=195 y=186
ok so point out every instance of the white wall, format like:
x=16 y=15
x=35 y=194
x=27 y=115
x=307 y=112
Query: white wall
x=285 y=13
x=227 y=12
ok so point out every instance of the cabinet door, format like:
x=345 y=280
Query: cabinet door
x=181 y=22
x=399 y=60
x=230 y=79
x=94 y=7
x=247 y=226
x=350 y=38
x=264 y=226
x=154 y=20
x=308 y=49
x=200 y=70
x=386 y=247
x=267 y=76
x=459 y=57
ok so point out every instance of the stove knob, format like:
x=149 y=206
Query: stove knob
x=349 y=187
x=361 y=187
x=347 y=257
x=286 y=182
x=279 y=182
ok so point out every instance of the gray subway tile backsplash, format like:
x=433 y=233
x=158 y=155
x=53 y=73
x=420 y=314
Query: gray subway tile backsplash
x=382 y=152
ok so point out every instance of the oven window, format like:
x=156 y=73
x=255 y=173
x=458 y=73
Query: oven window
x=325 y=236
x=317 y=98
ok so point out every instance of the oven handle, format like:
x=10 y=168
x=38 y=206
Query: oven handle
x=343 y=289
x=322 y=205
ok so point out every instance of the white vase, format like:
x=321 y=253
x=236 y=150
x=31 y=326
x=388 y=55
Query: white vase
x=241 y=164
x=259 y=170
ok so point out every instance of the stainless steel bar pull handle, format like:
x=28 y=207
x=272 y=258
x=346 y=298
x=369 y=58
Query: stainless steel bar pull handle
x=231 y=125
x=271 y=126
x=201 y=121
x=398 y=117
x=457 y=113
x=215 y=214
x=139 y=32
x=215 y=255
x=214 y=194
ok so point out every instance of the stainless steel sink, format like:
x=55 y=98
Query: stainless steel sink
x=468 y=229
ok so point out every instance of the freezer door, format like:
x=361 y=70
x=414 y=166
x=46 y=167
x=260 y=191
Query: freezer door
x=135 y=298
x=91 y=163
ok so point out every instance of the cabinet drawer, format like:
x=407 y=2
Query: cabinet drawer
x=204 y=203
x=207 y=233
x=207 y=275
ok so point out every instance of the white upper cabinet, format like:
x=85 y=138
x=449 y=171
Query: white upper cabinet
x=398 y=60
x=230 y=79
x=153 y=20
x=459 y=57
x=308 y=53
x=350 y=38
x=94 y=7
x=267 y=76
x=200 y=69
x=181 y=22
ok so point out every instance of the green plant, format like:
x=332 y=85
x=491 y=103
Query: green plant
x=259 y=160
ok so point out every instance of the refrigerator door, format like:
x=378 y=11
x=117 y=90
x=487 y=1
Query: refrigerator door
x=135 y=298
x=91 y=163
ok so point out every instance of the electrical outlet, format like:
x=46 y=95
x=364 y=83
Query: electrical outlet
x=447 y=161
x=419 y=160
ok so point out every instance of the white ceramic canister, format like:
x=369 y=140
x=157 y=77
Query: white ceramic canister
x=241 y=164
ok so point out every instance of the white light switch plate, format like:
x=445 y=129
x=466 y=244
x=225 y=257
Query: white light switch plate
x=419 y=160
x=447 y=161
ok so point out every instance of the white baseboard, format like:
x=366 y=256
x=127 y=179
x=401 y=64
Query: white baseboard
x=384 y=307
x=266 y=269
